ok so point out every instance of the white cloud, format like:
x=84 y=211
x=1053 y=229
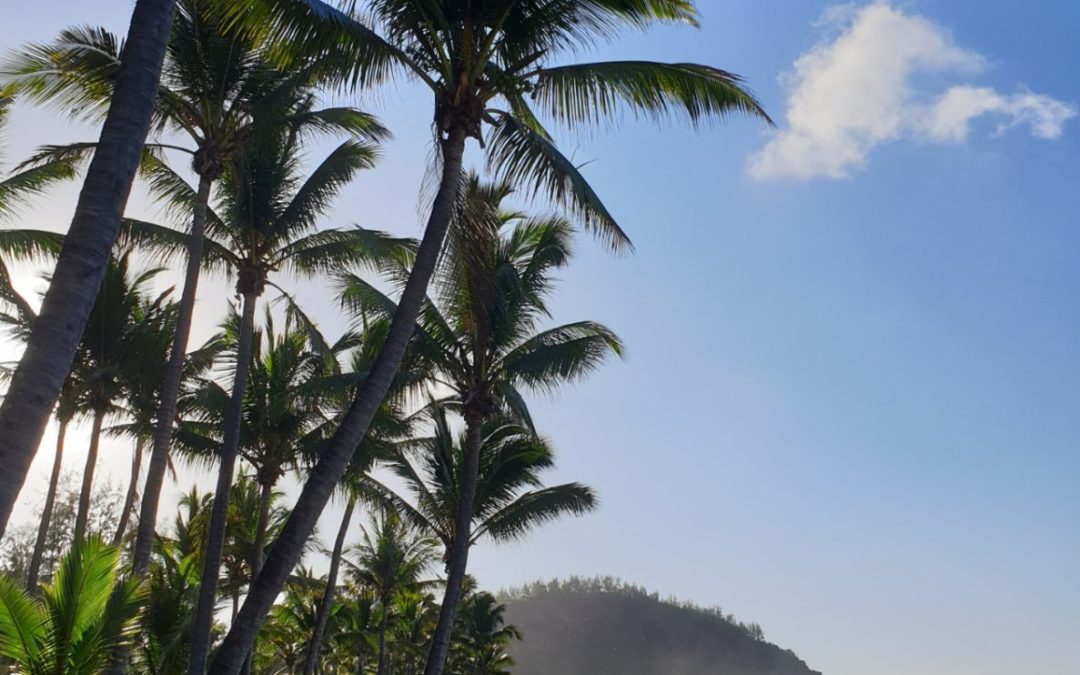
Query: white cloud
x=855 y=91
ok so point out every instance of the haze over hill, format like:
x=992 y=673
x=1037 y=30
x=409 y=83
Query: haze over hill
x=607 y=627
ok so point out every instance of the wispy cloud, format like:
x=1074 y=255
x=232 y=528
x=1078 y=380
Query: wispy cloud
x=856 y=91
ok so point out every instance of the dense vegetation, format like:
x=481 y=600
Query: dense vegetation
x=212 y=105
x=606 y=626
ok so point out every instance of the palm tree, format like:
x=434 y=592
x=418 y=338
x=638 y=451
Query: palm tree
x=15 y=192
x=124 y=322
x=417 y=613
x=483 y=63
x=214 y=83
x=267 y=222
x=388 y=559
x=45 y=364
x=483 y=636
x=480 y=340
x=81 y=616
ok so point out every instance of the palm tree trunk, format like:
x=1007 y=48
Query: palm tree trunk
x=204 y=616
x=326 y=475
x=170 y=387
x=86 y=494
x=265 y=495
x=46 y=515
x=58 y=328
x=459 y=552
x=382 y=638
x=132 y=492
x=323 y=616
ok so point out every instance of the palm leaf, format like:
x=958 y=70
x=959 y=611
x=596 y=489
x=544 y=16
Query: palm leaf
x=593 y=93
x=535 y=508
x=522 y=156
x=561 y=354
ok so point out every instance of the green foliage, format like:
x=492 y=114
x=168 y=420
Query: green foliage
x=18 y=544
x=614 y=586
x=82 y=615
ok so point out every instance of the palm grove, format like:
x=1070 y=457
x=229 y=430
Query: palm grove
x=415 y=419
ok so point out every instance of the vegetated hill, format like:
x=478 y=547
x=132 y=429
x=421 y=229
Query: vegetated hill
x=606 y=627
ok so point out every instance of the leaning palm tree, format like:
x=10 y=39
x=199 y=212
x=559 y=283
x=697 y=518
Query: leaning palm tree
x=389 y=559
x=81 y=616
x=45 y=364
x=17 y=191
x=214 y=82
x=481 y=340
x=485 y=64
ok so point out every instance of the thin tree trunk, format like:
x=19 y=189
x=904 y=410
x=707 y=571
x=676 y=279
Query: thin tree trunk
x=58 y=328
x=46 y=515
x=360 y=664
x=323 y=616
x=326 y=475
x=382 y=638
x=265 y=493
x=85 y=496
x=132 y=492
x=170 y=387
x=458 y=559
x=204 y=615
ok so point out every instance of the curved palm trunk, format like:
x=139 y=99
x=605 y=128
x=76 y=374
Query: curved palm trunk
x=382 y=638
x=323 y=616
x=132 y=492
x=46 y=515
x=204 y=615
x=458 y=559
x=326 y=475
x=170 y=388
x=86 y=493
x=58 y=328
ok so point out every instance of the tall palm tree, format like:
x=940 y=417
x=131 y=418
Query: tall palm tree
x=389 y=559
x=265 y=222
x=479 y=337
x=81 y=615
x=124 y=323
x=483 y=62
x=45 y=364
x=214 y=82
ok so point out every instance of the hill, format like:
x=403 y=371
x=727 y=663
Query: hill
x=606 y=627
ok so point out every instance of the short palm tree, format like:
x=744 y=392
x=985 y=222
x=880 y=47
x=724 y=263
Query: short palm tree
x=485 y=64
x=80 y=617
x=389 y=559
x=483 y=637
x=481 y=340
x=214 y=85
x=124 y=324
x=389 y=426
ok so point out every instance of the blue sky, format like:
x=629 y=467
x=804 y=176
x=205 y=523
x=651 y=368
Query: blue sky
x=849 y=406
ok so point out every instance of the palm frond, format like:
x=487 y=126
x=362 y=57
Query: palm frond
x=535 y=508
x=561 y=354
x=522 y=156
x=594 y=93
